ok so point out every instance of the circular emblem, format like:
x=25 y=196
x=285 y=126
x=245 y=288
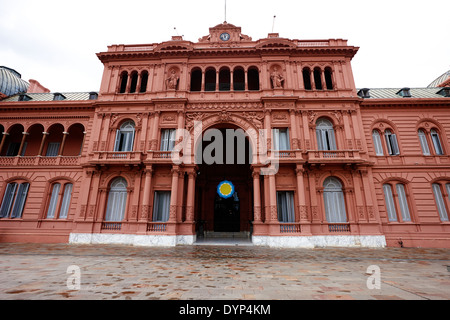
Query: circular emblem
x=225 y=36
x=225 y=189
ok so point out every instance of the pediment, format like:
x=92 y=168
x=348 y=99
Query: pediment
x=275 y=44
x=174 y=46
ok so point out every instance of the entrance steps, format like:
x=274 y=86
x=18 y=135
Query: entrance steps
x=225 y=239
x=238 y=235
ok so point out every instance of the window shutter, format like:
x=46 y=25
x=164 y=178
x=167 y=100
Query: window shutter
x=403 y=202
x=424 y=143
x=66 y=201
x=8 y=199
x=390 y=206
x=20 y=200
x=53 y=201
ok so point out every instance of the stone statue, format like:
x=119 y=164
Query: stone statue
x=172 y=81
x=277 y=79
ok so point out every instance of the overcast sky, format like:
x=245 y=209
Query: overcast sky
x=403 y=43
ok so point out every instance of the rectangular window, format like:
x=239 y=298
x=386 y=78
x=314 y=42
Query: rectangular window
x=403 y=202
x=390 y=206
x=436 y=142
x=391 y=142
x=285 y=206
x=66 y=201
x=377 y=143
x=8 y=199
x=19 y=202
x=13 y=149
x=440 y=201
x=52 y=149
x=424 y=143
x=167 y=139
x=53 y=201
x=281 y=139
x=161 y=206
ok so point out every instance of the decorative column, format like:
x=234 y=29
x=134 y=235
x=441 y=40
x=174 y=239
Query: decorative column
x=203 y=80
x=246 y=79
x=44 y=137
x=295 y=144
x=154 y=139
x=82 y=143
x=61 y=148
x=3 y=140
x=25 y=134
x=302 y=208
x=273 y=198
x=256 y=197
x=145 y=209
x=174 y=194
x=190 y=196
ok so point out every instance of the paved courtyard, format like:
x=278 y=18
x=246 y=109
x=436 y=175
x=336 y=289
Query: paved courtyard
x=63 y=271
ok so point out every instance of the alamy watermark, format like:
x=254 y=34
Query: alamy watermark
x=226 y=149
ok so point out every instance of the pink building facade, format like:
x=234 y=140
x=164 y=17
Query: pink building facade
x=317 y=161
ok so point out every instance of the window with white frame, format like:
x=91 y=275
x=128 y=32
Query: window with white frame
x=391 y=143
x=117 y=200
x=377 y=143
x=14 y=200
x=161 y=206
x=281 y=139
x=168 y=139
x=423 y=142
x=401 y=205
x=436 y=142
x=52 y=149
x=125 y=137
x=60 y=196
x=333 y=198
x=326 y=139
x=285 y=206
x=440 y=202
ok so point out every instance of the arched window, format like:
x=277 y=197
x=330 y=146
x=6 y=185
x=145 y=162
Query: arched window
x=125 y=137
x=440 y=201
x=123 y=82
x=325 y=135
x=285 y=206
x=328 y=78
x=253 y=78
x=210 y=79
x=436 y=142
x=377 y=143
x=238 y=79
x=333 y=198
x=161 y=206
x=307 y=78
x=196 y=80
x=134 y=80
x=391 y=142
x=393 y=206
x=117 y=200
x=318 y=78
x=224 y=79
x=144 y=82
x=423 y=142
x=59 y=201
x=14 y=200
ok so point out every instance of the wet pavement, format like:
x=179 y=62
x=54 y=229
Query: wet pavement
x=232 y=272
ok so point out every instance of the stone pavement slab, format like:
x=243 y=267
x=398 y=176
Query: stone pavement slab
x=98 y=272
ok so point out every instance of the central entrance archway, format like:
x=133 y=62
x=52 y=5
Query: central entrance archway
x=224 y=158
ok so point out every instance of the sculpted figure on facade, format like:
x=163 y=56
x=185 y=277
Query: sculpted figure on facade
x=172 y=81
x=277 y=79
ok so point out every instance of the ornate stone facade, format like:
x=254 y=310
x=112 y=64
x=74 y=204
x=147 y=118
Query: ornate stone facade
x=315 y=173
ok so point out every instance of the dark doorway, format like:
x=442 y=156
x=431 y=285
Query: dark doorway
x=213 y=212
x=227 y=214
